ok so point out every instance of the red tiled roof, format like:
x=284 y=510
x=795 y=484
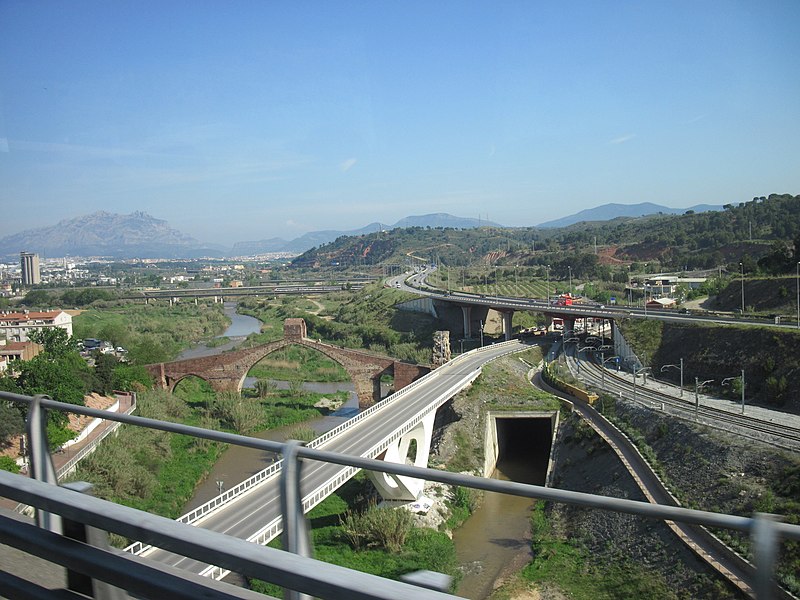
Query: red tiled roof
x=30 y=316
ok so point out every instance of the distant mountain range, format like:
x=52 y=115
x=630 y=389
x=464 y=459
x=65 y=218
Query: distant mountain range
x=606 y=212
x=318 y=238
x=139 y=235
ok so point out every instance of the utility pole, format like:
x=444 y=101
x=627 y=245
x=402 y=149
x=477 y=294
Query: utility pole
x=742 y=266
x=742 y=391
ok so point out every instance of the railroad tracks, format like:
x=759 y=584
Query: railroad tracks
x=776 y=434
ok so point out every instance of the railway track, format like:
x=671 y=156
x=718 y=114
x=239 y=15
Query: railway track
x=776 y=434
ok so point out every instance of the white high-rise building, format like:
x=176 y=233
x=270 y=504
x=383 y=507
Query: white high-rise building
x=31 y=275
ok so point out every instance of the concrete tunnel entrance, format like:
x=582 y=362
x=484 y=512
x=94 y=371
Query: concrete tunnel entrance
x=520 y=444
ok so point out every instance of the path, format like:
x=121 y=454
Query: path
x=61 y=458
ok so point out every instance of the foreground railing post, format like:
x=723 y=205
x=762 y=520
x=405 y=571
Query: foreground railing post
x=79 y=582
x=764 y=541
x=295 y=537
x=41 y=463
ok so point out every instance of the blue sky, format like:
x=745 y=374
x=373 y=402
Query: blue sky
x=248 y=120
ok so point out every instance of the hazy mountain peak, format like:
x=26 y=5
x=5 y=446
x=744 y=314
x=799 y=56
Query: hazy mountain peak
x=614 y=210
x=103 y=234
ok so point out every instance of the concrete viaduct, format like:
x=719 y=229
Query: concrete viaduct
x=228 y=370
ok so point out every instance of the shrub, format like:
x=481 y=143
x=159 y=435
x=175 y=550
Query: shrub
x=8 y=464
x=382 y=527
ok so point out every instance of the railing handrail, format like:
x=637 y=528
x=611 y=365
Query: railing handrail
x=292 y=571
x=764 y=531
x=645 y=509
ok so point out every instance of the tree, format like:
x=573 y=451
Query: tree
x=56 y=341
x=116 y=333
x=264 y=387
x=58 y=379
x=131 y=378
x=11 y=421
x=104 y=366
x=147 y=352
x=37 y=298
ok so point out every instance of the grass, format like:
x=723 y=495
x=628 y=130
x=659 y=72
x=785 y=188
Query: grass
x=424 y=548
x=152 y=332
x=578 y=574
x=503 y=387
x=298 y=363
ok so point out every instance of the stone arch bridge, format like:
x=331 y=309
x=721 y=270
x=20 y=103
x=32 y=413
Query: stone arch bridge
x=228 y=370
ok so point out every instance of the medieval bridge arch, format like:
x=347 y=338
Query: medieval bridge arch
x=228 y=370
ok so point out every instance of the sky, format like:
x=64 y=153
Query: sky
x=246 y=120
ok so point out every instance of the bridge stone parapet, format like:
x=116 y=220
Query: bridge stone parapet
x=227 y=371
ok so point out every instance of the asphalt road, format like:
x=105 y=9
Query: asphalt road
x=416 y=283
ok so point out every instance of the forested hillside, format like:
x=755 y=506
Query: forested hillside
x=763 y=233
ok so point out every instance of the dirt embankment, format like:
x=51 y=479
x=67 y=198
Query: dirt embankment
x=585 y=463
x=775 y=295
x=768 y=356
x=708 y=470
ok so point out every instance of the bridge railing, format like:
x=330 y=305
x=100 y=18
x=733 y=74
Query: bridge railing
x=272 y=470
x=282 y=568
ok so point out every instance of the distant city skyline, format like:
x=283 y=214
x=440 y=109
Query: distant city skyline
x=250 y=120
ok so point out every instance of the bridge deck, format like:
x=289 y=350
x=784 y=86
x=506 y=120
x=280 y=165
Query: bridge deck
x=244 y=516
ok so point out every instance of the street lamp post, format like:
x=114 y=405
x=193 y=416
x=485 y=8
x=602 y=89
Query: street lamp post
x=548 y=285
x=798 y=295
x=570 y=280
x=516 y=281
x=603 y=361
x=697 y=385
x=481 y=333
x=676 y=367
x=741 y=377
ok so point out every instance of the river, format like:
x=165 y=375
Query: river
x=495 y=541
x=241 y=326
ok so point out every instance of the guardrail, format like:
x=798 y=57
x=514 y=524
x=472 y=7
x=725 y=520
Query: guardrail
x=282 y=568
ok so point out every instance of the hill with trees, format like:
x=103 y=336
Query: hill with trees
x=763 y=234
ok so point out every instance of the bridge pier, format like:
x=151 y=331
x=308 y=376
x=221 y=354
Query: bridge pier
x=508 y=316
x=569 y=324
x=467 y=312
x=400 y=487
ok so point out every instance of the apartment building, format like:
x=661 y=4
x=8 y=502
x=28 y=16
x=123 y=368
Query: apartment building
x=17 y=326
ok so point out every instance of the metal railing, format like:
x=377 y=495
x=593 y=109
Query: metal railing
x=294 y=572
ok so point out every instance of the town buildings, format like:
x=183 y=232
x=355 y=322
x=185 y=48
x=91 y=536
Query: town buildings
x=11 y=351
x=31 y=273
x=17 y=326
